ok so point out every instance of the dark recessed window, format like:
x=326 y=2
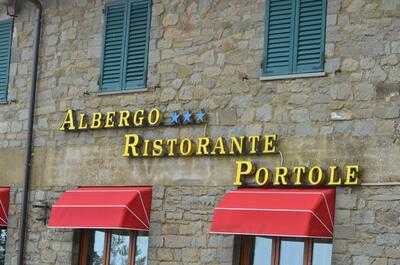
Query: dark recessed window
x=5 y=51
x=294 y=37
x=125 y=45
x=284 y=251
x=100 y=247
x=3 y=239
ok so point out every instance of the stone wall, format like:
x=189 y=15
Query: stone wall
x=367 y=226
x=180 y=221
x=366 y=232
x=207 y=55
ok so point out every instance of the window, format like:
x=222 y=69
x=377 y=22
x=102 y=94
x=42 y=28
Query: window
x=295 y=37
x=99 y=247
x=3 y=239
x=125 y=45
x=5 y=51
x=284 y=251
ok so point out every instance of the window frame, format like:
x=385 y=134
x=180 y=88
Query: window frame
x=84 y=245
x=123 y=88
x=294 y=38
x=244 y=247
x=5 y=243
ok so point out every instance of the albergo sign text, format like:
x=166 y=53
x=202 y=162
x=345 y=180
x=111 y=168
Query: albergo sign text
x=137 y=147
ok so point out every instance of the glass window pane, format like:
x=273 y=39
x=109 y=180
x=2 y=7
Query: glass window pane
x=96 y=248
x=292 y=252
x=142 y=245
x=119 y=249
x=262 y=251
x=3 y=239
x=322 y=253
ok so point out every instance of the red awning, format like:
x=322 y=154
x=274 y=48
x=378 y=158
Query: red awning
x=4 y=201
x=276 y=212
x=103 y=207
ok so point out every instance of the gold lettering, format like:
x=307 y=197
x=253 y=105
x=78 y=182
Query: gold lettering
x=281 y=176
x=219 y=147
x=123 y=119
x=110 y=120
x=203 y=146
x=253 y=144
x=138 y=118
x=270 y=144
x=171 y=146
x=332 y=177
x=298 y=175
x=186 y=147
x=158 y=148
x=69 y=121
x=236 y=146
x=352 y=175
x=145 y=148
x=82 y=122
x=311 y=176
x=96 y=120
x=262 y=173
x=243 y=169
x=154 y=117
x=132 y=142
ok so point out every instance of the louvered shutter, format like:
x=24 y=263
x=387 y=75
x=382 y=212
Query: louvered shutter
x=137 y=44
x=5 y=50
x=310 y=39
x=113 y=50
x=280 y=23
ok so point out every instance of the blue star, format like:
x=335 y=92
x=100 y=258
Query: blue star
x=174 y=118
x=200 y=116
x=187 y=117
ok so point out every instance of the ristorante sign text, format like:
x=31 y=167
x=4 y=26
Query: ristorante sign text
x=137 y=147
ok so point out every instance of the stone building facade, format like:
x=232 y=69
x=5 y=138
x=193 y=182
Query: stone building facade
x=207 y=55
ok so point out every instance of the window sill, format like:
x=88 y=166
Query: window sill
x=7 y=102
x=292 y=76
x=121 y=92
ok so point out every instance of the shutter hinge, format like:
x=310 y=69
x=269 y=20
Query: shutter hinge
x=262 y=64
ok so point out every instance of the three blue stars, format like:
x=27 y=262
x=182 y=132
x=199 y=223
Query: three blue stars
x=187 y=117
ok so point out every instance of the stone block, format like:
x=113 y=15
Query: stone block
x=387 y=111
x=227 y=117
x=364 y=127
x=364 y=91
x=300 y=115
x=264 y=113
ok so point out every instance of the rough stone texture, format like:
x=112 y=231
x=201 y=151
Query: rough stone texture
x=207 y=55
x=180 y=221
x=367 y=226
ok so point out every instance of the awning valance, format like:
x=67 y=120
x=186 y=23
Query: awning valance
x=276 y=212
x=103 y=207
x=4 y=202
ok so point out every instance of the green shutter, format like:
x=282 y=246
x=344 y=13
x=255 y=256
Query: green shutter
x=280 y=20
x=138 y=41
x=5 y=51
x=126 y=40
x=295 y=36
x=310 y=36
x=113 y=46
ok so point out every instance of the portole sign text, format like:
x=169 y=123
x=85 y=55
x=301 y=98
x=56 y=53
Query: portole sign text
x=137 y=147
